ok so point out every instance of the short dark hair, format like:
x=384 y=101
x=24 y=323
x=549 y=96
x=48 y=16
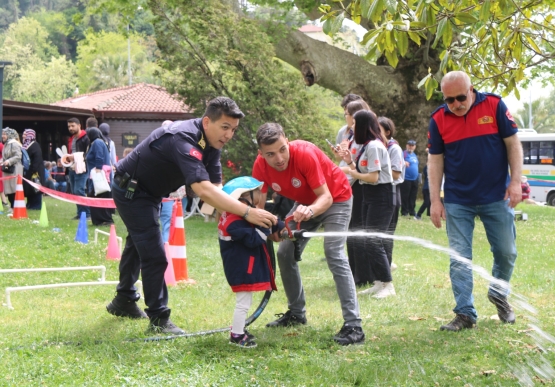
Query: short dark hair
x=356 y=105
x=74 y=120
x=222 y=106
x=349 y=98
x=388 y=126
x=366 y=127
x=91 y=123
x=269 y=133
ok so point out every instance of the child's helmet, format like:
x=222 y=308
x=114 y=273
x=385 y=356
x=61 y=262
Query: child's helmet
x=238 y=186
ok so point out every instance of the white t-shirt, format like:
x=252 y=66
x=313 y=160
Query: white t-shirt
x=397 y=161
x=376 y=158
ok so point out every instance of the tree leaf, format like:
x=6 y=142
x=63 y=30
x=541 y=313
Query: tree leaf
x=337 y=23
x=375 y=11
x=402 y=42
x=466 y=17
x=392 y=58
x=414 y=37
x=485 y=10
x=431 y=86
x=423 y=81
x=440 y=31
x=533 y=44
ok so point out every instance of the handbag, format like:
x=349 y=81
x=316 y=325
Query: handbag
x=8 y=168
x=100 y=183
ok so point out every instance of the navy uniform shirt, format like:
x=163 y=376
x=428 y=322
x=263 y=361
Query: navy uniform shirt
x=171 y=157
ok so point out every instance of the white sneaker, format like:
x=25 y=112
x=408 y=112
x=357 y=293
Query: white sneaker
x=374 y=289
x=386 y=290
x=393 y=266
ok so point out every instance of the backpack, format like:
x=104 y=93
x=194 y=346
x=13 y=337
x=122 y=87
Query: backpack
x=25 y=160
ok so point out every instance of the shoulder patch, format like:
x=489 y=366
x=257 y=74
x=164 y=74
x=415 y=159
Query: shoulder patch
x=509 y=115
x=196 y=153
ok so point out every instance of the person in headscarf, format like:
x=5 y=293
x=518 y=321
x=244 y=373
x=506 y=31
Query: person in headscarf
x=11 y=155
x=35 y=171
x=98 y=161
x=105 y=129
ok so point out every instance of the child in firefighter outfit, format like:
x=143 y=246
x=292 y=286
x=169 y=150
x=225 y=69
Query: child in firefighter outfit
x=245 y=256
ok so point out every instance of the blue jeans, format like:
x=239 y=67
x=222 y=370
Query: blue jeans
x=498 y=220
x=78 y=184
x=165 y=219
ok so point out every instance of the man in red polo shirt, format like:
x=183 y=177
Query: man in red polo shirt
x=300 y=171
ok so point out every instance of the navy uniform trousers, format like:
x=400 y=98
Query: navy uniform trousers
x=144 y=250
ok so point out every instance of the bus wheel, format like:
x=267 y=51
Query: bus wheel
x=551 y=199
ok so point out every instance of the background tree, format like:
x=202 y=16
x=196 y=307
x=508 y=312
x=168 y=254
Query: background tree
x=543 y=114
x=102 y=61
x=218 y=52
x=39 y=73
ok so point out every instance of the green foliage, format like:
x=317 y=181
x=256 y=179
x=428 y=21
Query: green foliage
x=103 y=61
x=543 y=114
x=494 y=41
x=38 y=74
x=208 y=51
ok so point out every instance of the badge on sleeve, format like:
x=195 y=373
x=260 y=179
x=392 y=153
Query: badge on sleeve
x=195 y=153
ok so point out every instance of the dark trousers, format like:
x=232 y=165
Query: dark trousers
x=388 y=243
x=355 y=245
x=144 y=250
x=101 y=215
x=377 y=210
x=409 y=189
x=426 y=205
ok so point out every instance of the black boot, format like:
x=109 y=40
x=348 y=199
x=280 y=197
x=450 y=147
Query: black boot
x=162 y=324
x=123 y=306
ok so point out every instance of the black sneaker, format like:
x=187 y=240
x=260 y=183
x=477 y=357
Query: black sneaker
x=163 y=324
x=504 y=309
x=243 y=341
x=286 y=319
x=460 y=322
x=122 y=306
x=349 y=335
x=251 y=336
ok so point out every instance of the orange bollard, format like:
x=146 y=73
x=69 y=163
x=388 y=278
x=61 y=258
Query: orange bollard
x=19 y=209
x=113 y=252
x=178 y=251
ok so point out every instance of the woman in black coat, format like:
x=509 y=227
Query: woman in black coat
x=36 y=169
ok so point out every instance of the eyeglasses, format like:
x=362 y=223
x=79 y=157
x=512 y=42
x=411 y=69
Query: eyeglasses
x=460 y=98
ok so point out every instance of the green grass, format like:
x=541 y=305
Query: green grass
x=38 y=339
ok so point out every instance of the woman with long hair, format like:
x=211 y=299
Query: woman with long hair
x=372 y=167
x=355 y=246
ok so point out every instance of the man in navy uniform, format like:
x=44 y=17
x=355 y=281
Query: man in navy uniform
x=184 y=153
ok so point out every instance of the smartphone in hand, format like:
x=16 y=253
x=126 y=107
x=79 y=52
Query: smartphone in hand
x=335 y=147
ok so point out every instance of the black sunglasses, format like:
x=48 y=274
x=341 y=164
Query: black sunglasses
x=460 y=98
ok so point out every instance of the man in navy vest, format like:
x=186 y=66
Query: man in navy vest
x=473 y=141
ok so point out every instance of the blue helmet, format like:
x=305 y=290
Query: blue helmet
x=238 y=186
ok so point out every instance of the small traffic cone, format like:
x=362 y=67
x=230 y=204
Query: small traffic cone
x=169 y=275
x=19 y=209
x=43 y=220
x=82 y=234
x=178 y=251
x=113 y=252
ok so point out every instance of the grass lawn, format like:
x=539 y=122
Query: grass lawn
x=404 y=346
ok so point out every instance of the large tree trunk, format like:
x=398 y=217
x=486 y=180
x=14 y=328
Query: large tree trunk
x=390 y=92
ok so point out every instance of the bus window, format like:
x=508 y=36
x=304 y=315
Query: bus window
x=546 y=152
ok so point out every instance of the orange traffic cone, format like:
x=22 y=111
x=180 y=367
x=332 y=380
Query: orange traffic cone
x=113 y=252
x=178 y=251
x=19 y=209
x=169 y=275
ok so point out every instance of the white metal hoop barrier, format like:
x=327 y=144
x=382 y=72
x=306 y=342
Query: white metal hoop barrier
x=195 y=209
x=120 y=240
x=101 y=280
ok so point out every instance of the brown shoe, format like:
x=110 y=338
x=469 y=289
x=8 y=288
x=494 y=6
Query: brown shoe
x=504 y=309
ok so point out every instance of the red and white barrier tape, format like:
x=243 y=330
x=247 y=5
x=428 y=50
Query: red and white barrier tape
x=80 y=200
